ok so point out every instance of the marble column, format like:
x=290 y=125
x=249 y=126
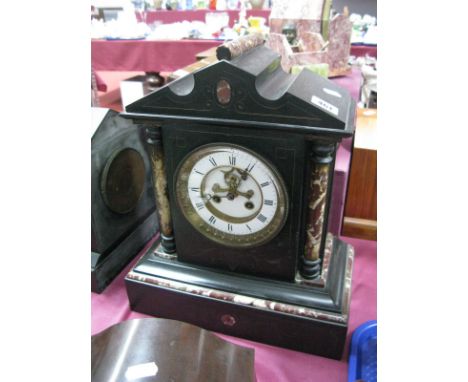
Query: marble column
x=155 y=149
x=321 y=163
x=236 y=47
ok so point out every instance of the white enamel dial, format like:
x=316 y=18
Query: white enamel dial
x=231 y=195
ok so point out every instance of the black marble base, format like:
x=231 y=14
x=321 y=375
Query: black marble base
x=295 y=315
x=105 y=267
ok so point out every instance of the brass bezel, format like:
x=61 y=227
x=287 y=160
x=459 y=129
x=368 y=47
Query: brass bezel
x=237 y=241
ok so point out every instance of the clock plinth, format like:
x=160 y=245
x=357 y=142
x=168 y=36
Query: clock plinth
x=308 y=315
x=243 y=156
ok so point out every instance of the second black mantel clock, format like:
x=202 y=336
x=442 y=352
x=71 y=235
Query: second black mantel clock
x=242 y=157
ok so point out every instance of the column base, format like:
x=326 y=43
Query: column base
x=310 y=268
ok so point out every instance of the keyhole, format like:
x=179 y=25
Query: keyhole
x=249 y=205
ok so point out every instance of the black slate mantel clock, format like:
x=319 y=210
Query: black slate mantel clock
x=123 y=211
x=243 y=157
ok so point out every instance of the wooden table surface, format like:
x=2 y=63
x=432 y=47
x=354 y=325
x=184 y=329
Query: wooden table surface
x=366 y=129
x=361 y=203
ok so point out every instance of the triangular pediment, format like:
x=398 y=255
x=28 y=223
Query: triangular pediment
x=259 y=91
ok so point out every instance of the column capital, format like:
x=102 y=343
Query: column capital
x=322 y=152
x=153 y=134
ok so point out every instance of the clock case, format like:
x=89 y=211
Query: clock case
x=116 y=237
x=270 y=293
x=276 y=258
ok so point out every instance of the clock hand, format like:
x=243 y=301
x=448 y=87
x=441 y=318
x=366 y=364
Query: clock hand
x=215 y=197
x=231 y=195
x=233 y=183
x=217 y=188
x=243 y=173
x=247 y=194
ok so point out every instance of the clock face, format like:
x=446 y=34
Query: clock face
x=231 y=195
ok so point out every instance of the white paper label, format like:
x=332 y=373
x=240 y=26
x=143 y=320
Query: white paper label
x=332 y=92
x=141 y=370
x=324 y=105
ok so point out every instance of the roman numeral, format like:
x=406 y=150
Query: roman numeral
x=200 y=206
x=262 y=218
x=265 y=184
x=250 y=229
x=232 y=160
x=213 y=162
x=230 y=227
x=250 y=167
x=268 y=202
x=212 y=219
x=198 y=172
x=195 y=189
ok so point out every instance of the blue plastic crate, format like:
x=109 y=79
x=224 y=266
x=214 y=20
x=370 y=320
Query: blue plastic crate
x=363 y=353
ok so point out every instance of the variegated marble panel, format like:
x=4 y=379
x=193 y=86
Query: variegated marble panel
x=239 y=299
x=335 y=54
x=302 y=26
x=316 y=213
x=311 y=42
x=160 y=188
x=278 y=43
x=297 y=9
x=238 y=46
x=340 y=42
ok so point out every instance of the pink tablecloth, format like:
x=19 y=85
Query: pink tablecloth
x=159 y=55
x=101 y=85
x=363 y=50
x=351 y=82
x=145 y=55
x=272 y=364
